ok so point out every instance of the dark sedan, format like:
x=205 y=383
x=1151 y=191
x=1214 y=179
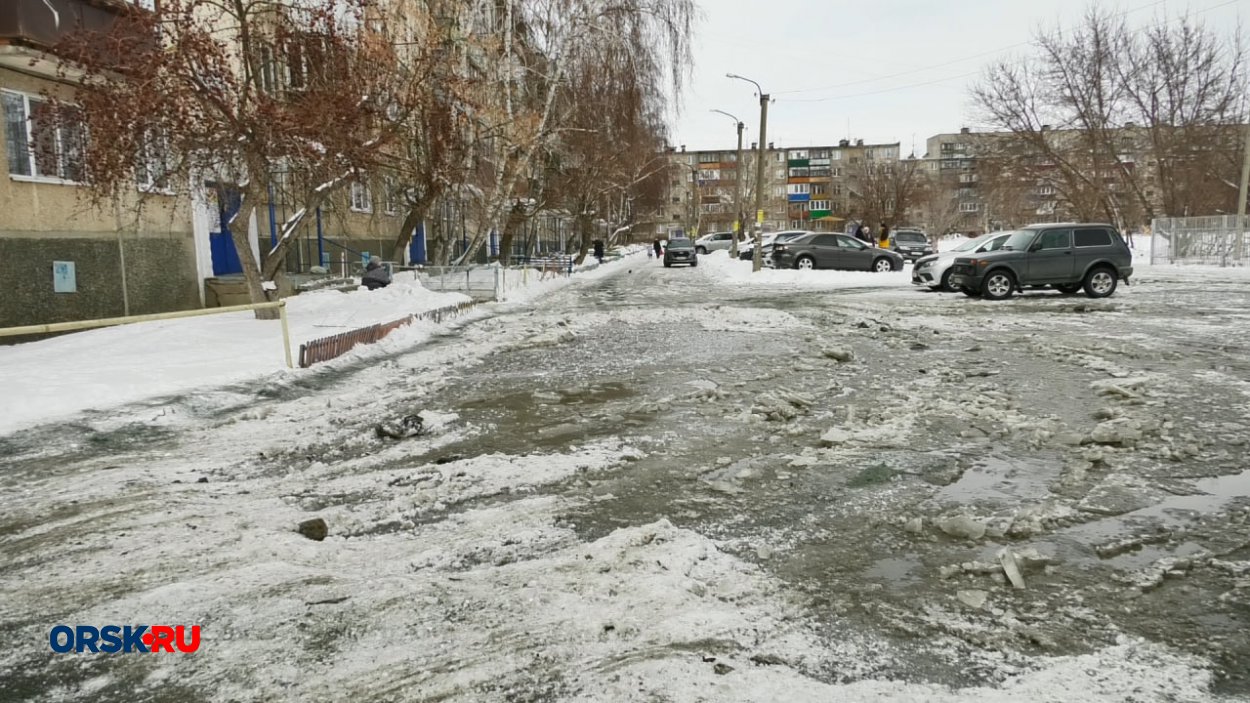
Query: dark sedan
x=834 y=251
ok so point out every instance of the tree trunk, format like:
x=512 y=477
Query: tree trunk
x=516 y=219
x=583 y=235
x=239 y=232
x=415 y=216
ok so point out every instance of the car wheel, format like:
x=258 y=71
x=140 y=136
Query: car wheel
x=668 y=264
x=946 y=282
x=1068 y=288
x=694 y=263
x=998 y=285
x=1100 y=283
x=806 y=263
x=700 y=250
x=882 y=265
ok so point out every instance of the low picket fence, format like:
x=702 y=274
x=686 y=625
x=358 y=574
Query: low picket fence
x=327 y=348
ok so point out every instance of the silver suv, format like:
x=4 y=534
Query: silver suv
x=714 y=242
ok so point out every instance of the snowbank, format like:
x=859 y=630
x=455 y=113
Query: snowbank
x=719 y=265
x=113 y=366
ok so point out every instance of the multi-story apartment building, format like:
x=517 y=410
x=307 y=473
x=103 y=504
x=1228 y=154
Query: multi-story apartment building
x=60 y=257
x=823 y=183
x=804 y=188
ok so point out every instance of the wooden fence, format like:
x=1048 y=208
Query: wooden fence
x=326 y=348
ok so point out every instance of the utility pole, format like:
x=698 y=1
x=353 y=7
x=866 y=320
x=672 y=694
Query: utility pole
x=739 y=225
x=758 y=259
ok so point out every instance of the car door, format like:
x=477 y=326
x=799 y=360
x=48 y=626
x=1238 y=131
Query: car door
x=824 y=248
x=853 y=254
x=1050 y=257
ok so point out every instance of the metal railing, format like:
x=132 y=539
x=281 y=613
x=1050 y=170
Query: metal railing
x=1215 y=241
x=131 y=319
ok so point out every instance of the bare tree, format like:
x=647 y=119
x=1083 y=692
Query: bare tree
x=235 y=92
x=1114 y=124
x=883 y=191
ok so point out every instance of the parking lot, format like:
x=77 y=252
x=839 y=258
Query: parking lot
x=671 y=482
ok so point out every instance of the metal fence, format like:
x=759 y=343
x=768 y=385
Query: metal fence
x=494 y=281
x=332 y=347
x=1214 y=241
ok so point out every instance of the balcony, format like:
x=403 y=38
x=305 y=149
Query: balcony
x=29 y=29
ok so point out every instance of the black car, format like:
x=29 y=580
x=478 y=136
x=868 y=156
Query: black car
x=771 y=240
x=834 y=251
x=680 y=251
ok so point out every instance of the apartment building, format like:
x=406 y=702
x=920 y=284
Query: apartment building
x=823 y=183
x=60 y=257
x=812 y=188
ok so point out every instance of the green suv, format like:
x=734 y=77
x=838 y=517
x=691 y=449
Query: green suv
x=1068 y=257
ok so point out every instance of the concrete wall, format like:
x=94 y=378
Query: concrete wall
x=160 y=276
x=43 y=220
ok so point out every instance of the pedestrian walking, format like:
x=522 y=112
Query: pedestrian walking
x=659 y=249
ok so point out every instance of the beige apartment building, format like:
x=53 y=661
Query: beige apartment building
x=814 y=188
x=60 y=257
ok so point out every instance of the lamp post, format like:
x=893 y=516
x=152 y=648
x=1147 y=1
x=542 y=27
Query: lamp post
x=738 y=224
x=757 y=261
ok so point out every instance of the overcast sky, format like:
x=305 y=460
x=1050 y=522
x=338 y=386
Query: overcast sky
x=877 y=70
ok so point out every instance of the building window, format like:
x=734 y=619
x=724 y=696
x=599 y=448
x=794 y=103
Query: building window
x=819 y=188
x=40 y=145
x=969 y=207
x=1046 y=190
x=837 y=189
x=835 y=155
x=152 y=171
x=362 y=199
x=799 y=188
x=837 y=173
x=967 y=178
x=709 y=158
x=820 y=205
x=390 y=196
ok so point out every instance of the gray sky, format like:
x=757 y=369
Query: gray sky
x=894 y=70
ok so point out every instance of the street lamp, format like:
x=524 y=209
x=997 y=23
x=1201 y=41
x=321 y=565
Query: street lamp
x=738 y=229
x=757 y=262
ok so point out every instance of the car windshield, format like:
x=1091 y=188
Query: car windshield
x=1019 y=241
x=973 y=244
x=680 y=244
x=910 y=237
x=788 y=236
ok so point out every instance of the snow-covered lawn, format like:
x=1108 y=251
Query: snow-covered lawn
x=113 y=366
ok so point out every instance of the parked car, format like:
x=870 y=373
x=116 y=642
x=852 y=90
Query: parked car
x=834 y=251
x=911 y=244
x=769 y=240
x=934 y=270
x=680 y=251
x=1069 y=257
x=715 y=242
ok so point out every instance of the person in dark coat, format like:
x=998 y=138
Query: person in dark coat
x=861 y=233
x=659 y=249
x=376 y=276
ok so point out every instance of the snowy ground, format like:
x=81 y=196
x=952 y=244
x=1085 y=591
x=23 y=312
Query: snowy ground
x=650 y=484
